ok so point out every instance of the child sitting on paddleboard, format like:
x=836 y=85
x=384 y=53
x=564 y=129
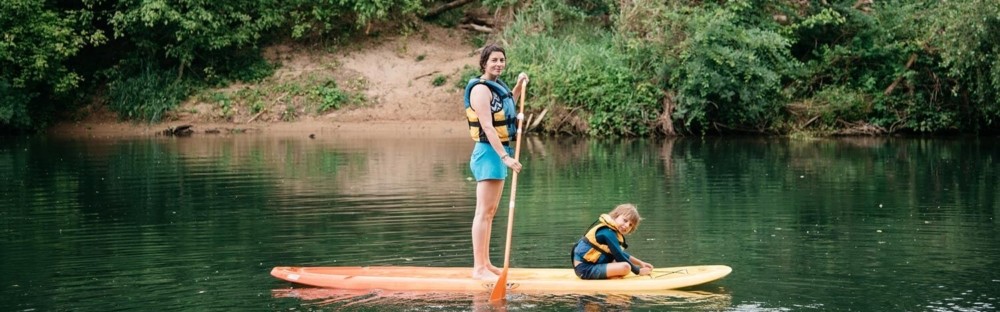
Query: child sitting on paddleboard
x=600 y=254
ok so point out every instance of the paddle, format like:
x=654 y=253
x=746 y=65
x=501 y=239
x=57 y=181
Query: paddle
x=500 y=289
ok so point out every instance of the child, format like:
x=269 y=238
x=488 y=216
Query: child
x=600 y=254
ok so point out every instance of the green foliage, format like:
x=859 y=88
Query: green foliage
x=495 y=4
x=584 y=70
x=14 y=106
x=35 y=43
x=969 y=40
x=448 y=19
x=289 y=114
x=439 y=80
x=187 y=32
x=836 y=103
x=147 y=95
x=253 y=97
x=919 y=66
x=467 y=72
x=372 y=10
x=314 y=19
x=897 y=56
x=223 y=100
x=330 y=97
x=245 y=65
x=730 y=72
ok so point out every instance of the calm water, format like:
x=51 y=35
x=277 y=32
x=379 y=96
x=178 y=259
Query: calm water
x=158 y=223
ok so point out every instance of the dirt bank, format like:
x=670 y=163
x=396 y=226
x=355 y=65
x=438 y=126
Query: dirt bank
x=394 y=75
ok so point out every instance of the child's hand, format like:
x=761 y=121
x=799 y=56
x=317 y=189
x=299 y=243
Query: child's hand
x=647 y=265
x=645 y=271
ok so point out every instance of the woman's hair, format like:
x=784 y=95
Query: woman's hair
x=485 y=55
x=628 y=211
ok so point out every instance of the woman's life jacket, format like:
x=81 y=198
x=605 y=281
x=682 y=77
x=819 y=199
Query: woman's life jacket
x=502 y=110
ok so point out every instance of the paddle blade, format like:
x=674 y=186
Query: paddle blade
x=500 y=289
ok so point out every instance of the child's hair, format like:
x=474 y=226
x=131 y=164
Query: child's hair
x=628 y=211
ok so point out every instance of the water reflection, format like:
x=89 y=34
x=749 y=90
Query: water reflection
x=166 y=224
x=360 y=300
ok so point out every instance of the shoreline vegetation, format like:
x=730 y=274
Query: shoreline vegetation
x=599 y=68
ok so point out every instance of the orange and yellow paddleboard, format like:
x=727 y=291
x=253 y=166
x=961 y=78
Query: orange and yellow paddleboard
x=518 y=279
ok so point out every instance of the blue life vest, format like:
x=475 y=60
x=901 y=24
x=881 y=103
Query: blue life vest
x=502 y=110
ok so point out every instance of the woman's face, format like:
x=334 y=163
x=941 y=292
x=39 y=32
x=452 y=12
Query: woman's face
x=495 y=64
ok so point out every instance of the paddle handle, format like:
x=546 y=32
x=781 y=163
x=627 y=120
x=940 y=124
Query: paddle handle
x=513 y=180
x=500 y=289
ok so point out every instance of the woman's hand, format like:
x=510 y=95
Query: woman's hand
x=522 y=78
x=512 y=163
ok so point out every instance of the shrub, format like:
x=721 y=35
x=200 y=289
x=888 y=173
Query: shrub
x=147 y=95
x=439 y=80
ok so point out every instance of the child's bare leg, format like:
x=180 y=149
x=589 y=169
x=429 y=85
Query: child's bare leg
x=618 y=269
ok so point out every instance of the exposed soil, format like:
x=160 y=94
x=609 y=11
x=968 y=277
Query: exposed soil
x=394 y=74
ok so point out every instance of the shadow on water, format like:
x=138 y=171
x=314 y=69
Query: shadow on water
x=380 y=300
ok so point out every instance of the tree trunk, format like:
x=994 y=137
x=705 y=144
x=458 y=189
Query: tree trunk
x=666 y=120
x=909 y=63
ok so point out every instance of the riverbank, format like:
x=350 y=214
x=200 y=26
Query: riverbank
x=393 y=77
x=302 y=128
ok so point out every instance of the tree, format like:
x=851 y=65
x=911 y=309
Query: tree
x=35 y=43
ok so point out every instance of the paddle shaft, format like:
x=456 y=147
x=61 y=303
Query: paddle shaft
x=500 y=289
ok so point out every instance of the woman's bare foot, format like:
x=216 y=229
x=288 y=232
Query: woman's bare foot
x=484 y=274
x=494 y=269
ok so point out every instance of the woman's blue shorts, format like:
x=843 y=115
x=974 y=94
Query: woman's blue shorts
x=486 y=164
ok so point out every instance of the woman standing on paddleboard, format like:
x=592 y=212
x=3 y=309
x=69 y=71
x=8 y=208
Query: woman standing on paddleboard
x=490 y=110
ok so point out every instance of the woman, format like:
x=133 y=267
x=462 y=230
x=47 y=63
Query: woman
x=490 y=110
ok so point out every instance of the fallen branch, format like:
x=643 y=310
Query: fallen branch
x=451 y=5
x=426 y=75
x=539 y=119
x=182 y=130
x=257 y=115
x=476 y=28
x=809 y=122
x=909 y=63
x=528 y=122
x=859 y=128
x=265 y=109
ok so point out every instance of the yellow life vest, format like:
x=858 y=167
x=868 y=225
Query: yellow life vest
x=502 y=108
x=596 y=249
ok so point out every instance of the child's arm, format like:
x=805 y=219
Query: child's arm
x=607 y=237
x=640 y=263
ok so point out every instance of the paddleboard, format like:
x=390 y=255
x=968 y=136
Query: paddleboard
x=408 y=278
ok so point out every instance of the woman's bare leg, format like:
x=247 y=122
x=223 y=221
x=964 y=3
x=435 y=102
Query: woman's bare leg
x=488 y=194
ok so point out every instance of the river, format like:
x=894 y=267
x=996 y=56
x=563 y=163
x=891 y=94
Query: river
x=163 y=223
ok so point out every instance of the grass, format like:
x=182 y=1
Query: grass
x=439 y=80
x=285 y=100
